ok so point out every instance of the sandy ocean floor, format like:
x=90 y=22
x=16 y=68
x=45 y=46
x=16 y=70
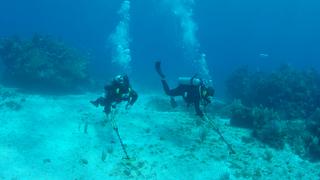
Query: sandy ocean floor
x=64 y=137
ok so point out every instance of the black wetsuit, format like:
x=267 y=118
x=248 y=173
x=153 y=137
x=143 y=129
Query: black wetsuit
x=190 y=93
x=116 y=93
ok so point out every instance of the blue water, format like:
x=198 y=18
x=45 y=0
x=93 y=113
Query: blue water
x=231 y=33
x=45 y=136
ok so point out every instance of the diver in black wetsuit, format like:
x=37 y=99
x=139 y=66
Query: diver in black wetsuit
x=117 y=91
x=193 y=90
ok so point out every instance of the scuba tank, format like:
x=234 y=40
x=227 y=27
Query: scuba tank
x=193 y=81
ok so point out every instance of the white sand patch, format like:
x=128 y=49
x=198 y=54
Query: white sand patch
x=63 y=138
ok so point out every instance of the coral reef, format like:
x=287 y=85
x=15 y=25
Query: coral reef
x=302 y=136
x=280 y=107
x=42 y=62
x=264 y=122
x=291 y=92
x=10 y=100
x=268 y=128
x=240 y=115
x=313 y=125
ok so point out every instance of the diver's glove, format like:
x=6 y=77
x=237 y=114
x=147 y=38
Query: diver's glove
x=206 y=102
x=128 y=106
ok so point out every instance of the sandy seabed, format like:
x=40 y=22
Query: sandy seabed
x=65 y=137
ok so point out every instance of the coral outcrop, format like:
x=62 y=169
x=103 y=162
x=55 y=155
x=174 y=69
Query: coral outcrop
x=281 y=108
x=42 y=62
x=9 y=100
x=291 y=92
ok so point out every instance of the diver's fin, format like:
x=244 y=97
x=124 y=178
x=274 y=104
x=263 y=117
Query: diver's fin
x=158 y=69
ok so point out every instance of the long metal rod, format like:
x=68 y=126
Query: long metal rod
x=213 y=125
x=115 y=128
x=122 y=145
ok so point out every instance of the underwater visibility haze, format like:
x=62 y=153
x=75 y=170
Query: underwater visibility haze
x=160 y=89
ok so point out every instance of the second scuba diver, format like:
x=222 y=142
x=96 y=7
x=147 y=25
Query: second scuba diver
x=193 y=90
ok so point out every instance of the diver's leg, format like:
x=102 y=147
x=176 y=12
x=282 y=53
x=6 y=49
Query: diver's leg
x=173 y=102
x=173 y=92
x=100 y=101
x=178 y=91
x=197 y=108
x=133 y=97
x=158 y=69
x=107 y=108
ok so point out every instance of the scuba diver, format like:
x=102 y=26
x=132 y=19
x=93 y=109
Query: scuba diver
x=117 y=91
x=193 y=90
